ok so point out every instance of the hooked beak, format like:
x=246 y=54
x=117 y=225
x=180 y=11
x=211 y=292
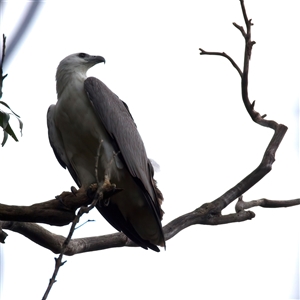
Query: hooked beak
x=96 y=59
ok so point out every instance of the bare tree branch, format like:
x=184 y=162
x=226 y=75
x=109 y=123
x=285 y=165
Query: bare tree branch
x=58 y=261
x=203 y=52
x=54 y=242
x=240 y=28
x=263 y=202
x=102 y=189
x=204 y=215
x=58 y=212
x=269 y=156
x=2 y=77
x=249 y=181
x=3 y=235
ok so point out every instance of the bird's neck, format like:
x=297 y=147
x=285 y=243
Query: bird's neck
x=71 y=79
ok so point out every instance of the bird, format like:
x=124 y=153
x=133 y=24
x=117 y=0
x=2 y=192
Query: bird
x=90 y=127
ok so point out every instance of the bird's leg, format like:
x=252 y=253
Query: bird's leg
x=103 y=191
x=106 y=186
x=97 y=161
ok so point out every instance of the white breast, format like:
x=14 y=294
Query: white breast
x=82 y=132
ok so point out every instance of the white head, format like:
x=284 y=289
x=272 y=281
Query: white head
x=77 y=65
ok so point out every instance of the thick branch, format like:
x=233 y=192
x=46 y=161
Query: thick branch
x=59 y=211
x=262 y=170
x=54 y=242
x=203 y=215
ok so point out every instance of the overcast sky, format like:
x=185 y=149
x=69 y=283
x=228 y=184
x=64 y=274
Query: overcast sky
x=189 y=112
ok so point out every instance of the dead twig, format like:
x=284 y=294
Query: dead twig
x=269 y=156
x=2 y=77
x=83 y=210
x=263 y=202
x=58 y=261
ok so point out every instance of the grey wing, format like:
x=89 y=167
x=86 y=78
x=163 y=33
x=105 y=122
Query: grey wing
x=57 y=144
x=115 y=116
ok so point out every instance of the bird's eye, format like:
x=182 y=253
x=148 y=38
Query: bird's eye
x=82 y=55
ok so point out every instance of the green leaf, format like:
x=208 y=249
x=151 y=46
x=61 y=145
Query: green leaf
x=5 y=136
x=11 y=132
x=4 y=119
x=20 y=125
x=3 y=103
x=4 y=123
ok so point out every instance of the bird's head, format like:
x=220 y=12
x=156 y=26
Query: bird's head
x=79 y=62
x=77 y=65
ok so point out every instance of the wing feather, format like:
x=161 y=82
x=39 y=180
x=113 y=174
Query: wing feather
x=122 y=129
x=57 y=144
x=114 y=216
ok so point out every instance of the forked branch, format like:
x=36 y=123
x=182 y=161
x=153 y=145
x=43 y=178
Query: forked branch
x=202 y=52
x=202 y=215
x=269 y=156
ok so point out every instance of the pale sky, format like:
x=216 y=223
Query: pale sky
x=189 y=112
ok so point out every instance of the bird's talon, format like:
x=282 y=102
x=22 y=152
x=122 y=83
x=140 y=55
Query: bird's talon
x=93 y=186
x=106 y=202
x=74 y=190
